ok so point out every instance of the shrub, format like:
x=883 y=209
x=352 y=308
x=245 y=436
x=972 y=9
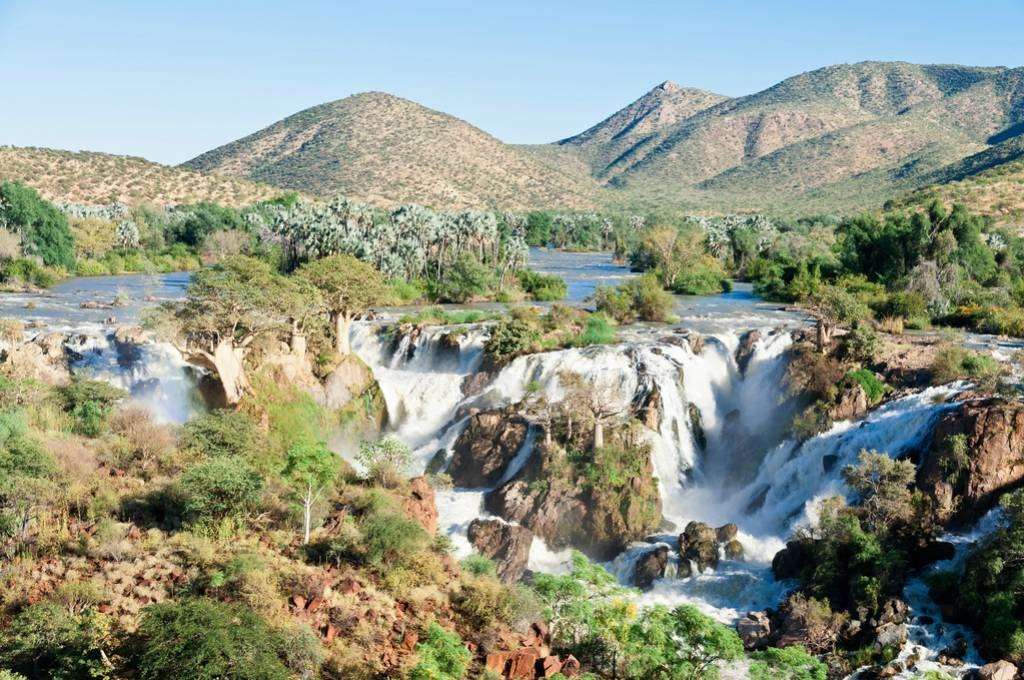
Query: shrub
x=442 y=656
x=478 y=565
x=89 y=402
x=510 y=338
x=786 y=663
x=464 y=280
x=639 y=299
x=218 y=489
x=873 y=388
x=390 y=538
x=599 y=331
x=385 y=461
x=203 y=639
x=957 y=363
x=223 y=432
x=542 y=287
x=862 y=343
x=27 y=271
x=47 y=641
x=682 y=639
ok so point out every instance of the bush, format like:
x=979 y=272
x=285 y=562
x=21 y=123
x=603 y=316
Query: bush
x=44 y=229
x=89 y=402
x=542 y=287
x=862 y=344
x=25 y=271
x=599 y=331
x=464 y=280
x=442 y=656
x=46 y=641
x=957 y=363
x=223 y=432
x=510 y=338
x=386 y=461
x=787 y=663
x=202 y=639
x=639 y=299
x=390 y=538
x=218 y=489
x=873 y=388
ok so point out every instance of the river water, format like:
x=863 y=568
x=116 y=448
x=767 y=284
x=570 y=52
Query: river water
x=749 y=472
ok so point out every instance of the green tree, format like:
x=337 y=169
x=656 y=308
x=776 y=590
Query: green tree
x=220 y=488
x=348 y=288
x=786 y=663
x=44 y=230
x=46 y=641
x=202 y=639
x=385 y=461
x=679 y=644
x=310 y=468
x=883 y=486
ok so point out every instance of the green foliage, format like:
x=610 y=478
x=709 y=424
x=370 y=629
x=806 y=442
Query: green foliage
x=208 y=640
x=873 y=388
x=678 y=644
x=478 y=565
x=385 y=461
x=862 y=343
x=202 y=219
x=44 y=229
x=442 y=656
x=218 y=489
x=223 y=432
x=390 y=537
x=89 y=402
x=786 y=663
x=883 y=485
x=639 y=299
x=46 y=641
x=988 y=593
x=438 y=316
x=511 y=337
x=599 y=331
x=839 y=305
x=26 y=271
x=956 y=363
x=542 y=287
x=467 y=278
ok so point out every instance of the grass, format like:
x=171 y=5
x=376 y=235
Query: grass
x=437 y=316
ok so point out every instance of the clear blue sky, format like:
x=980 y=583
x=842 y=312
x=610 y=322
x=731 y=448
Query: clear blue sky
x=167 y=80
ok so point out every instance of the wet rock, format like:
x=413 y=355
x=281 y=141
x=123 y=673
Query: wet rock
x=726 y=532
x=650 y=567
x=734 y=550
x=507 y=544
x=890 y=635
x=650 y=409
x=128 y=341
x=745 y=350
x=420 y=503
x=699 y=543
x=893 y=610
x=437 y=462
x=755 y=629
x=828 y=462
x=974 y=457
x=801 y=622
x=933 y=551
x=999 y=670
x=475 y=383
x=697 y=426
x=486 y=447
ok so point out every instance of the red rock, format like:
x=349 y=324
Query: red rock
x=299 y=601
x=409 y=640
x=496 y=661
x=349 y=586
x=419 y=504
x=549 y=666
x=331 y=632
x=316 y=603
x=522 y=664
x=570 y=666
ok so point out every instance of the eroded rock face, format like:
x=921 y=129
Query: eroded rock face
x=745 y=350
x=755 y=629
x=650 y=567
x=485 y=448
x=851 y=404
x=349 y=379
x=507 y=544
x=1000 y=670
x=43 y=358
x=977 y=453
x=566 y=512
x=420 y=504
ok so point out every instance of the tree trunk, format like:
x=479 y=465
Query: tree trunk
x=823 y=335
x=342 y=331
x=307 y=516
x=227 y=361
x=598 y=433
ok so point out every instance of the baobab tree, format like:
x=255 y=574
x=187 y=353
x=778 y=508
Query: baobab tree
x=595 y=399
x=228 y=307
x=348 y=288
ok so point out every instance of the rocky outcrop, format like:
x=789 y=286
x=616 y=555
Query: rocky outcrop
x=650 y=566
x=420 y=503
x=558 y=503
x=755 y=629
x=43 y=358
x=976 y=454
x=701 y=544
x=485 y=448
x=507 y=544
x=1000 y=670
x=349 y=379
x=745 y=350
x=128 y=341
x=531 y=659
x=850 y=404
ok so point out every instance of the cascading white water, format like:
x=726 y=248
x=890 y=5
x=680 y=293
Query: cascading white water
x=155 y=375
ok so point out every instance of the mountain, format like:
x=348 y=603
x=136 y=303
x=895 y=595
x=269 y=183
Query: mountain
x=96 y=178
x=990 y=183
x=837 y=139
x=385 y=149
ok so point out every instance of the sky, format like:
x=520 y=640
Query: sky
x=170 y=80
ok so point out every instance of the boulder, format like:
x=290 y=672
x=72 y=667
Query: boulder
x=420 y=503
x=791 y=560
x=485 y=448
x=699 y=543
x=754 y=629
x=43 y=358
x=507 y=544
x=999 y=670
x=892 y=635
x=726 y=532
x=974 y=457
x=734 y=550
x=850 y=404
x=745 y=350
x=650 y=566
x=349 y=379
x=127 y=343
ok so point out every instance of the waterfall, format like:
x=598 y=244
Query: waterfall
x=155 y=375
